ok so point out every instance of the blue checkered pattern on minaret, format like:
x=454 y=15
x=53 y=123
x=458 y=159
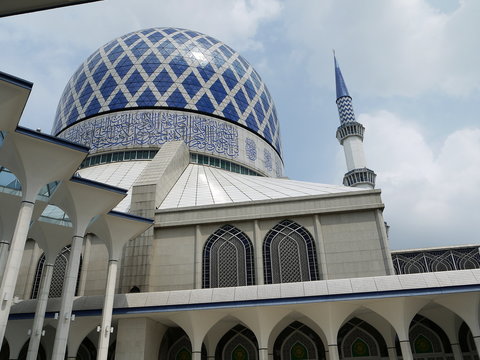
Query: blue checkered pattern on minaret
x=170 y=68
x=345 y=109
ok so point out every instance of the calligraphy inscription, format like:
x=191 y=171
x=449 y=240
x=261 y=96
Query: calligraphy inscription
x=155 y=128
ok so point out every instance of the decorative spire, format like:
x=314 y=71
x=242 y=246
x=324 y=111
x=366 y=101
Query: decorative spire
x=350 y=135
x=339 y=81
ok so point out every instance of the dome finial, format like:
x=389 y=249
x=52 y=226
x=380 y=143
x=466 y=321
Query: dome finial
x=340 y=83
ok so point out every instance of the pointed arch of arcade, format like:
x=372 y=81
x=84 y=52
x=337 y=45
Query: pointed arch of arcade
x=358 y=338
x=289 y=254
x=176 y=345
x=58 y=276
x=237 y=343
x=42 y=355
x=228 y=259
x=298 y=341
x=427 y=339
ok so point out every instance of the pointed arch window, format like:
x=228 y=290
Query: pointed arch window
x=59 y=270
x=289 y=254
x=228 y=259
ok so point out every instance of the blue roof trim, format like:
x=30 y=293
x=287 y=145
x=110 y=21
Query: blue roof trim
x=339 y=81
x=52 y=139
x=97 y=184
x=130 y=216
x=268 y=302
x=16 y=81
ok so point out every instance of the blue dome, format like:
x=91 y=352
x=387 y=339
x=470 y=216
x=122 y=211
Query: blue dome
x=170 y=68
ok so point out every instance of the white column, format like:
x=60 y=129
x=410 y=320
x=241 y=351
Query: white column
x=333 y=352
x=42 y=301
x=104 y=338
x=354 y=154
x=392 y=353
x=320 y=245
x=15 y=254
x=85 y=261
x=457 y=351
x=262 y=354
x=3 y=256
x=196 y=355
x=61 y=335
x=477 y=344
x=198 y=256
x=258 y=244
x=406 y=350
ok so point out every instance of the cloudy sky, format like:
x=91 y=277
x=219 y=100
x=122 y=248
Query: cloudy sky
x=412 y=68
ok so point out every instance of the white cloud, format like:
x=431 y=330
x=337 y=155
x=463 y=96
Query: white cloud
x=431 y=196
x=398 y=47
x=46 y=47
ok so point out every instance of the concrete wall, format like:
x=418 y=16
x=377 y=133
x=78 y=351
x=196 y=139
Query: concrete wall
x=352 y=244
x=95 y=270
x=31 y=255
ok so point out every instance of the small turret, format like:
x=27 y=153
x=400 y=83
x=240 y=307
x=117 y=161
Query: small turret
x=350 y=135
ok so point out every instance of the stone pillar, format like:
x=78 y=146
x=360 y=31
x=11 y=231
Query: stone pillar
x=406 y=350
x=477 y=344
x=392 y=353
x=197 y=270
x=320 y=246
x=85 y=261
x=196 y=355
x=258 y=244
x=333 y=352
x=382 y=231
x=13 y=263
x=457 y=351
x=104 y=338
x=68 y=293
x=42 y=301
x=262 y=354
x=3 y=256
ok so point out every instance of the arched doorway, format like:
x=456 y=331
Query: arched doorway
x=427 y=340
x=239 y=343
x=176 y=346
x=298 y=342
x=357 y=338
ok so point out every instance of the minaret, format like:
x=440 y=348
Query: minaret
x=350 y=135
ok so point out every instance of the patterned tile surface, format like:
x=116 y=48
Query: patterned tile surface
x=169 y=67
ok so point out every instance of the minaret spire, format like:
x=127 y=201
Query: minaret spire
x=350 y=135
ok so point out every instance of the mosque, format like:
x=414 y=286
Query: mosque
x=155 y=222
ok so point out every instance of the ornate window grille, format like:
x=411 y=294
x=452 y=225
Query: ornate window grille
x=289 y=254
x=59 y=269
x=228 y=259
x=410 y=262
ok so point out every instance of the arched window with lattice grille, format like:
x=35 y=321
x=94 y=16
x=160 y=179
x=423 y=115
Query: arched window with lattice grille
x=59 y=269
x=228 y=259
x=289 y=254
